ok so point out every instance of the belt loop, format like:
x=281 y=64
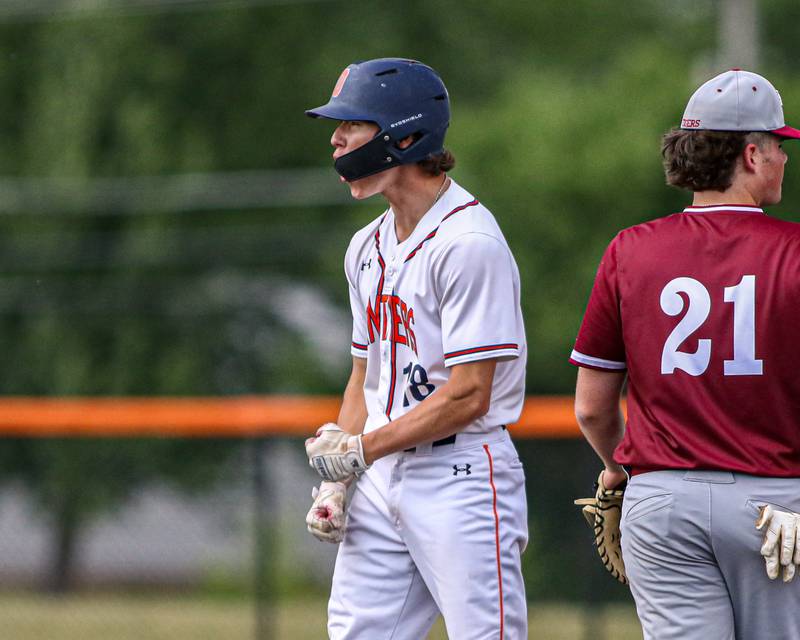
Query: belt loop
x=424 y=449
x=712 y=477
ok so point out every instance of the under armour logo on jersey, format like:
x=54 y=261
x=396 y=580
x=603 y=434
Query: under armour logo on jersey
x=462 y=469
x=367 y=264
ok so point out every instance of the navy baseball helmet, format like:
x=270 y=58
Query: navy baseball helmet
x=404 y=98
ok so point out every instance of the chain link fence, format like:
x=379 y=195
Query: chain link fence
x=108 y=545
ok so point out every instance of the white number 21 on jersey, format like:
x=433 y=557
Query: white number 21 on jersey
x=743 y=297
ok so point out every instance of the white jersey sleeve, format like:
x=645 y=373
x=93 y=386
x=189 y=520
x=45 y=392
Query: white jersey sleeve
x=478 y=300
x=359 y=341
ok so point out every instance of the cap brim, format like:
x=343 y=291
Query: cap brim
x=787 y=132
x=336 y=112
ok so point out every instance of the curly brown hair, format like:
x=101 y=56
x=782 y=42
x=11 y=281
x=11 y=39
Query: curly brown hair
x=705 y=160
x=438 y=163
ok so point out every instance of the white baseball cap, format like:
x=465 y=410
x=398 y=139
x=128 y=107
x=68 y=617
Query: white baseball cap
x=737 y=100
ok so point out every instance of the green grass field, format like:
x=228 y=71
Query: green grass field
x=169 y=617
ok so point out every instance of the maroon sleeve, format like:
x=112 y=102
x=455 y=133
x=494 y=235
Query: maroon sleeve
x=599 y=344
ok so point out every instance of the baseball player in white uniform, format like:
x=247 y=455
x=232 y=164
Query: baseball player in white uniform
x=437 y=519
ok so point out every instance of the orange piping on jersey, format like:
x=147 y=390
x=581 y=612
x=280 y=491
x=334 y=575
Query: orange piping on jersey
x=471 y=203
x=488 y=347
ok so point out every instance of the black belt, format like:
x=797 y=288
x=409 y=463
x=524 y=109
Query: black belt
x=447 y=440
x=436 y=443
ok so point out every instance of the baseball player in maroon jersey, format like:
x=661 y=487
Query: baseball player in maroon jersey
x=699 y=312
x=437 y=519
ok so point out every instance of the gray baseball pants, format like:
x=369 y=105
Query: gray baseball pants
x=691 y=553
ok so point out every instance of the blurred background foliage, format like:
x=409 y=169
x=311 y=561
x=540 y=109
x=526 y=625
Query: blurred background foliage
x=170 y=222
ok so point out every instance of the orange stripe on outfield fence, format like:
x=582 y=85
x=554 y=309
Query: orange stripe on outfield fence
x=237 y=416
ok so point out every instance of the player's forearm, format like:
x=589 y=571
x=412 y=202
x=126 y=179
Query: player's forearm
x=353 y=412
x=603 y=432
x=441 y=415
x=597 y=396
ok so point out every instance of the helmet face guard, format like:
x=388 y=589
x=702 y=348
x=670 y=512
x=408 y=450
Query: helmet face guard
x=370 y=158
x=404 y=98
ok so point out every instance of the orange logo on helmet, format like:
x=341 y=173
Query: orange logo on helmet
x=340 y=83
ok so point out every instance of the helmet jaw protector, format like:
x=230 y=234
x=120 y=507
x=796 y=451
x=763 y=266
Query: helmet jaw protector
x=370 y=158
x=404 y=98
x=377 y=155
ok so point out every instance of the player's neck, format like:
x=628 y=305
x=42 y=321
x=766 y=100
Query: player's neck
x=735 y=194
x=412 y=198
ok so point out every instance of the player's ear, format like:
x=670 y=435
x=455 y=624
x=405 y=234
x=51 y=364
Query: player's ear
x=405 y=143
x=749 y=157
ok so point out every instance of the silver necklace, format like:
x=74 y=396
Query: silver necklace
x=439 y=193
x=435 y=200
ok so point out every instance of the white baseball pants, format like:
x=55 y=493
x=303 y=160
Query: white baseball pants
x=439 y=529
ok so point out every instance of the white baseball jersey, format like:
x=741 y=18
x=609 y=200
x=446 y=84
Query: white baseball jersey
x=447 y=295
x=438 y=528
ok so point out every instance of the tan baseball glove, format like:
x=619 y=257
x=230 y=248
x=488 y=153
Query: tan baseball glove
x=603 y=513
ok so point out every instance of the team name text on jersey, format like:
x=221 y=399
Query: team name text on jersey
x=390 y=313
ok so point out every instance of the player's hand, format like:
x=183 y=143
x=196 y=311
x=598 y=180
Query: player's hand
x=781 y=546
x=613 y=478
x=335 y=454
x=325 y=519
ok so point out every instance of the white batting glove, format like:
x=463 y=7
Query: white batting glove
x=781 y=546
x=335 y=454
x=326 y=518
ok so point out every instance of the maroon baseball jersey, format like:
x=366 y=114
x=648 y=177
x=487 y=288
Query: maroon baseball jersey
x=703 y=310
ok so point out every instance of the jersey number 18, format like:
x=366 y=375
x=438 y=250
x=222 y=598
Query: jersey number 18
x=418 y=384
